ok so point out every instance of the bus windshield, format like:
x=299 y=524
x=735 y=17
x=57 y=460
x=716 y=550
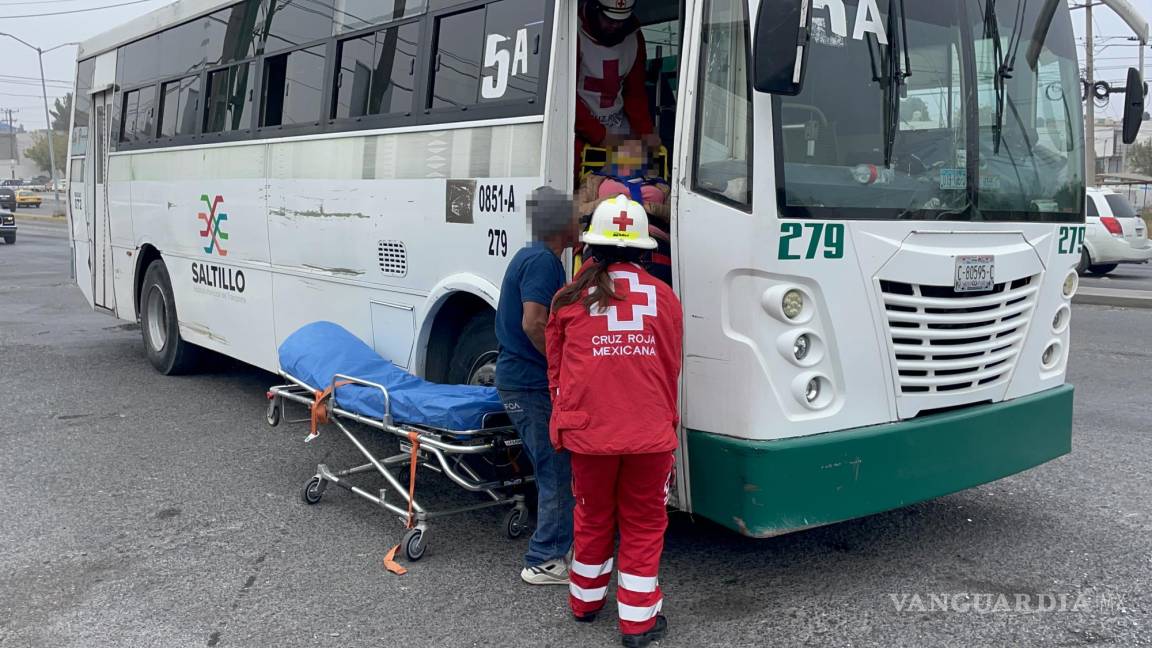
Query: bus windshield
x=943 y=110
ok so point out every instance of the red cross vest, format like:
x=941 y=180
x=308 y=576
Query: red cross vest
x=614 y=373
x=601 y=73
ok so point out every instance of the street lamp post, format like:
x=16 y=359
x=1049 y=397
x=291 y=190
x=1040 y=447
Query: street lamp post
x=47 y=116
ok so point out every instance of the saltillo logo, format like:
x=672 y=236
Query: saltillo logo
x=627 y=316
x=208 y=274
x=213 y=225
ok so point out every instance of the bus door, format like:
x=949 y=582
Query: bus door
x=712 y=198
x=103 y=295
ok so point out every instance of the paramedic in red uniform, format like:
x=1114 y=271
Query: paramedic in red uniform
x=614 y=345
x=611 y=100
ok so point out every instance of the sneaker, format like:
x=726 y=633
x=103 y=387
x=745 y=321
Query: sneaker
x=656 y=633
x=553 y=572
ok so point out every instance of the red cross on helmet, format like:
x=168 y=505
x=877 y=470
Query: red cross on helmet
x=617 y=9
x=619 y=222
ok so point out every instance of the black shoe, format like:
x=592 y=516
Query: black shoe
x=585 y=618
x=656 y=633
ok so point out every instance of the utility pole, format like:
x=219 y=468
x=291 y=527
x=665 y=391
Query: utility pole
x=13 y=149
x=1090 y=108
x=48 y=123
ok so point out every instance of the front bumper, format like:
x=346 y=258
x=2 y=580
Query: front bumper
x=1119 y=250
x=7 y=229
x=767 y=488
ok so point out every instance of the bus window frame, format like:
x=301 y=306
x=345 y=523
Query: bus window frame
x=324 y=125
x=381 y=120
x=491 y=110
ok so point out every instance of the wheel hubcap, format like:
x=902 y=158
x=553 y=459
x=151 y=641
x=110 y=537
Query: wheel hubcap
x=157 y=312
x=483 y=371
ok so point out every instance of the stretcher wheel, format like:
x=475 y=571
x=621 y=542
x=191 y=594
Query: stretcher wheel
x=312 y=491
x=273 y=415
x=514 y=524
x=413 y=543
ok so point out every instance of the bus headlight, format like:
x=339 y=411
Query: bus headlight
x=800 y=347
x=1061 y=318
x=1071 y=282
x=792 y=304
x=812 y=390
x=1051 y=356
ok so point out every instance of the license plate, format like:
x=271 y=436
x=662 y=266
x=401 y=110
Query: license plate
x=974 y=273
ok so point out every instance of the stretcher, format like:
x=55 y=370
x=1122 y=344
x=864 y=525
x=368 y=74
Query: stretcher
x=452 y=430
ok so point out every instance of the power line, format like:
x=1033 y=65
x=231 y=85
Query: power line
x=33 y=2
x=35 y=96
x=76 y=11
x=33 y=78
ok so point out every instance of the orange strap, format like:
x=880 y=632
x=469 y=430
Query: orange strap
x=320 y=407
x=390 y=558
x=390 y=562
x=414 y=439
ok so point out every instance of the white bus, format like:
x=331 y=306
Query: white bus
x=875 y=229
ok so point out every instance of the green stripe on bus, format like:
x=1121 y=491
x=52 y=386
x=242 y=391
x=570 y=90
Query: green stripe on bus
x=765 y=488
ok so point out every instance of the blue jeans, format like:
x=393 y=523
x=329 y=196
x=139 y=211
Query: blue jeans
x=530 y=412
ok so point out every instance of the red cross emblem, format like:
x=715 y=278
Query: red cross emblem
x=623 y=220
x=609 y=86
x=637 y=302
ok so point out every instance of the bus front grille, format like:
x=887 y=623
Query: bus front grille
x=948 y=342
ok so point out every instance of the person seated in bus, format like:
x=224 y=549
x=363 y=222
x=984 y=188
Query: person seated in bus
x=611 y=96
x=630 y=172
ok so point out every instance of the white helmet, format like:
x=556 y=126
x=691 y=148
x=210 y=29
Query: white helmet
x=619 y=222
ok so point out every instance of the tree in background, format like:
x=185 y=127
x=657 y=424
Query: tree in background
x=38 y=152
x=1140 y=157
x=61 y=113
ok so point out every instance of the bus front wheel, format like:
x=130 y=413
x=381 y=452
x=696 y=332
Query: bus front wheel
x=474 y=358
x=166 y=350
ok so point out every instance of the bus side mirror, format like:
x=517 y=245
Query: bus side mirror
x=780 y=46
x=1133 y=105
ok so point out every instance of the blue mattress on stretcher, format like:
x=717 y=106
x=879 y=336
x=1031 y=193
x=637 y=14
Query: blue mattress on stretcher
x=318 y=351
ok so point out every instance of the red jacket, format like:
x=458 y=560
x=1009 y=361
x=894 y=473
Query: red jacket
x=614 y=375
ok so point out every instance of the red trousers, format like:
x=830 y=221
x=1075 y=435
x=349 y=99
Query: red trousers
x=625 y=493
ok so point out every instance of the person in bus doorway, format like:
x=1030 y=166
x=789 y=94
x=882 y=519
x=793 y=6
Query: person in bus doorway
x=611 y=98
x=531 y=280
x=614 y=352
x=629 y=172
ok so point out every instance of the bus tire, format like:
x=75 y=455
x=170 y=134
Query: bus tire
x=474 y=358
x=159 y=325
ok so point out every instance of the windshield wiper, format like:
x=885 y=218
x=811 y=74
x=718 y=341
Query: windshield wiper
x=899 y=69
x=1005 y=63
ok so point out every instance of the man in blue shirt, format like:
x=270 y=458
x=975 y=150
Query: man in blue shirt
x=532 y=278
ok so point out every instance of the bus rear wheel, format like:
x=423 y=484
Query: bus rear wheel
x=159 y=325
x=474 y=358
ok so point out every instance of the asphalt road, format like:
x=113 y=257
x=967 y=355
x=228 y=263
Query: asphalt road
x=1126 y=276
x=149 y=511
x=48 y=206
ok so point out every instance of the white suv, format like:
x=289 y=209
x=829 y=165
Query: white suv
x=1115 y=233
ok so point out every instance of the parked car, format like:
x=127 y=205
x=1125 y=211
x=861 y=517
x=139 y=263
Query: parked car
x=8 y=227
x=1115 y=233
x=27 y=199
x=12 y=182
x=7 y=198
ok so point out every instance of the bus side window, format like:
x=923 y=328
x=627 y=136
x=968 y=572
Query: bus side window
x=722 y=164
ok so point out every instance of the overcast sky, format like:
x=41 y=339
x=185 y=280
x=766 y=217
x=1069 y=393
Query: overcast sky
x=19 y=75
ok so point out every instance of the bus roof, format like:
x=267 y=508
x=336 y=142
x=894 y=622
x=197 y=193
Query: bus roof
x=150 y=23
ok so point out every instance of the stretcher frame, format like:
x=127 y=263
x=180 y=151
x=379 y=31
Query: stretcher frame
x=436 y=449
